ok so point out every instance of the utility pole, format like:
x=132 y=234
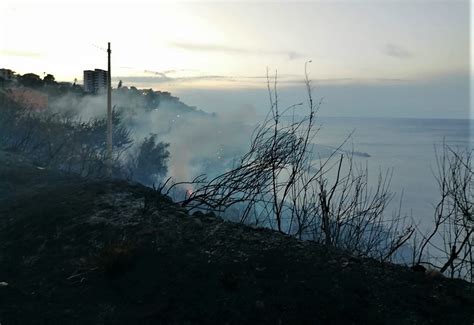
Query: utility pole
x=109 y=116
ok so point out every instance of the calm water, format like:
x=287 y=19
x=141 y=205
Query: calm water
x=404 y=145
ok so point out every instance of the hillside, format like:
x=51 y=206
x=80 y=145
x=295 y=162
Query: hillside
x=95 y=252
x=33 y=93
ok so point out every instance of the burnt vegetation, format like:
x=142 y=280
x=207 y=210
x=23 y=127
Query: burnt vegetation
x=124 y=245
x=282 y=184
x=279 y=183
x=68 y=144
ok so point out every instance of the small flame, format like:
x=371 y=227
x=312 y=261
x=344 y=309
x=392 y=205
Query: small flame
x=189 y=192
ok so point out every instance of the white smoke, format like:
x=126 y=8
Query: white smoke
x=200 y=143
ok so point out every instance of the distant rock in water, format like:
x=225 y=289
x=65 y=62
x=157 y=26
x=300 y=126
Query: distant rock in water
x=360 y=154
x=324 y=151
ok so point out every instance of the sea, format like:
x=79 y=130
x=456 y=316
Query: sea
x=406 y=147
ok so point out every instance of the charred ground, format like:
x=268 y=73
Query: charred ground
x=82 y=251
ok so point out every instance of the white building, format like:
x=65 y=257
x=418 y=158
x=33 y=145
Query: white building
x=95 y=81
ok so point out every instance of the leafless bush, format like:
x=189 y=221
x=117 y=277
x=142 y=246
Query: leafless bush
x=449 y=245
x=281 y=183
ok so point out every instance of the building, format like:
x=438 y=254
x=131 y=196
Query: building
x=95 y=81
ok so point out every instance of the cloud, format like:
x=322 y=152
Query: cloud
x=19 y=53
x=291 y=55
x=396 y=51
x=165 y=78
x=165 y=73
x=287 y=80
x=175 y=76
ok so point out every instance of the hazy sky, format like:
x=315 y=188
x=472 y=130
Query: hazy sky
x=369 y=58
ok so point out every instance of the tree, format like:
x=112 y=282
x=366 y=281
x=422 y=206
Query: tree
x=60 y=142
x=49 y=79
x=149 y=165
x=30 y=80
x=152 y=98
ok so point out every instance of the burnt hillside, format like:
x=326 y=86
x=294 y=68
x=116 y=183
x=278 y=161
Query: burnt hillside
x=94 y=252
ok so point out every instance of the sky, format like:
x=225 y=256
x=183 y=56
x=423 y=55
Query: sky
x=368 y=58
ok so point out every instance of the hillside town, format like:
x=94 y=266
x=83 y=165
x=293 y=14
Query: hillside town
x=37 y=93
x=28 y=89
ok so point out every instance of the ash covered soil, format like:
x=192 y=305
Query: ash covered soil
x=97 y=252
